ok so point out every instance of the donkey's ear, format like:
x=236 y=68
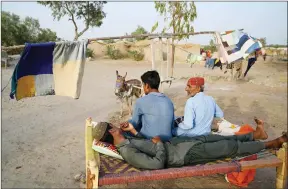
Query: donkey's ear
x=116 y=72
x=125 y=75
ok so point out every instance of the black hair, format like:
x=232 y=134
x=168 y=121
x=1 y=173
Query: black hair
x=202 y=88
x=151 y=78
x=107 y=137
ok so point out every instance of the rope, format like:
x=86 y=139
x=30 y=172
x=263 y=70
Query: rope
x=6 y=84
x=184 y=50
x=237 y=164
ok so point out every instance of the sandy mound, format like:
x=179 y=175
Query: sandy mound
x=144 y=46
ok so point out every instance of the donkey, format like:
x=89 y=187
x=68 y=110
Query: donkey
x=126 y=90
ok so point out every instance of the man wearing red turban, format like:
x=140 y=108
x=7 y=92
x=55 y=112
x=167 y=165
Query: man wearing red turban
x=199 y=112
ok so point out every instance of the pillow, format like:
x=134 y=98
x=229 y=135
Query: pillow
x=106 y=148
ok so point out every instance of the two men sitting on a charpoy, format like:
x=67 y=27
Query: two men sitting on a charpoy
x=153 y=113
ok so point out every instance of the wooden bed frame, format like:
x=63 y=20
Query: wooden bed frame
x=93 y=180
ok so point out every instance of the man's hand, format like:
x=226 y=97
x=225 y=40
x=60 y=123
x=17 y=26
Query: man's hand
x=156 y=139
x=126 y=126
x=178 y=120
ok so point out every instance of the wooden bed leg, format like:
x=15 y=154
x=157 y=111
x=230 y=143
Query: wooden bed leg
x=281 y=175
x=92 y=158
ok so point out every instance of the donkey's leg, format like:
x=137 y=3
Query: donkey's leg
x=121 y=113
x=128 y=105
x=131 y=105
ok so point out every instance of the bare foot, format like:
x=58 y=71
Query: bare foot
x=260 y=133
x=283 y=138
x=279 y=141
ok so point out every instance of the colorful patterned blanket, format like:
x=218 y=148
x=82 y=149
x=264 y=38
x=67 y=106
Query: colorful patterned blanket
x=49 y=69
x=236 y=45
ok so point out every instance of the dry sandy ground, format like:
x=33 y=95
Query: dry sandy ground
x=43 y=137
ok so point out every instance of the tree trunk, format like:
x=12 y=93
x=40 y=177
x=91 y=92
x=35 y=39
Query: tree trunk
x=76 y=37
x=172 y=57
x=173 y=46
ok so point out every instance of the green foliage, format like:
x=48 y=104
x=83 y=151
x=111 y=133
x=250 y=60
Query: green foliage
x=138 y=56
x=90 y=12
x=113 y=53
x=15 y=51
x=178 y=14
x=109 y=41
x=211 y=47
x=15 y=31
x=46 y=35
x=276 y=46
x=154 y=27
x=139 y=31
x=90 y=53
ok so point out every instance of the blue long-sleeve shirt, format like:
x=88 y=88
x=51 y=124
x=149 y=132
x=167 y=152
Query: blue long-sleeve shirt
x=153 y=115
x=200 y=111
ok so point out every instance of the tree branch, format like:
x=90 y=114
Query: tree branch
x=87 y=22
x=73 y=20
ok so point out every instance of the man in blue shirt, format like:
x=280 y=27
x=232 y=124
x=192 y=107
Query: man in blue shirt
x=153 y=113
x=199 y=112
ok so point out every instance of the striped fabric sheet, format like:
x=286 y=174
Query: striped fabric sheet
x=236 y=45
x=49 y=69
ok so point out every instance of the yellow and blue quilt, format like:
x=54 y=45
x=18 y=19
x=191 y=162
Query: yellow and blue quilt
x=49 y=69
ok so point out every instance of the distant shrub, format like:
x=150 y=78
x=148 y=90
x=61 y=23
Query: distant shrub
x=113 y=53
x=90 y=53
x=138 y=56
x=15 y=51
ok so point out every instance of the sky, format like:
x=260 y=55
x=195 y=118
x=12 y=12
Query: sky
x=259 y=19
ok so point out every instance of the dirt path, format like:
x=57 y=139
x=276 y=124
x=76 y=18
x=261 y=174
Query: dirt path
x=43 y=137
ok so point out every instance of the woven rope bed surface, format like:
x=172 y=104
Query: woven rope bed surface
x=116 y=171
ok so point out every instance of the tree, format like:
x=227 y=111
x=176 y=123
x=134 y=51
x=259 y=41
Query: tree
x=46 y=35
x=90 y=12
x=140 y=30
x=10 y=27
x=15 y=31
x=263 y=41
x=211 y=47
x=33 y=28
x=179 y=16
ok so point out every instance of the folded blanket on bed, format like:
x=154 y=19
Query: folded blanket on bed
x=49 y=69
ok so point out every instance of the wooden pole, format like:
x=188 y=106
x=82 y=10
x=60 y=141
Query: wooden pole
x=166 y=35
x=161 y=65
x=161 y=59
x=153 y=54
x=281 y=175
x=168 y=58
x=92 y=158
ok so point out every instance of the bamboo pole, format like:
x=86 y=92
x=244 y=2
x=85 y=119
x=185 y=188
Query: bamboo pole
x=153 y=54
x=281 y=175
x=92 y=158
x=168 y=58
x=165 y=35
x=161 y=59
